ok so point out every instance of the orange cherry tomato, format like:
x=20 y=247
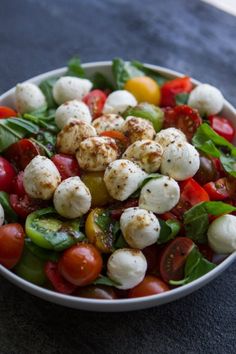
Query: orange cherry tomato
x=7 y=112
x=149 y=286
x=145 y=89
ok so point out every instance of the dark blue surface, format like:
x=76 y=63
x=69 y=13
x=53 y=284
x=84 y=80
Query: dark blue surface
x=189 y=36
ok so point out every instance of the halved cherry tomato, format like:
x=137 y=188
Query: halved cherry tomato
x=222 y=126
x=7 y=173
x=119 y=208
x=24 y=205
x=171 y=88
x=184 y=118
x=21 y=153
x=7 y=112
x=67 y=165
x=168 y=216
x=95 y=183
x=121 y=140
x=145 y=89
x=207 y=171
x=173 y=258
x=17 y=184
x=80 y=264
x=152 y=255
x=95 y=100
x=11 y=244
x=218 y=190
x=58 y=282
x=101 y=292
x=149 y=286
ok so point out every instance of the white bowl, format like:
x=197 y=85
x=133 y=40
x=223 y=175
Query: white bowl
x=122 y=304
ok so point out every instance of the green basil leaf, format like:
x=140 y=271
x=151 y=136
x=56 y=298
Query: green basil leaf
x=229 y=164
x=47 y=86
x=41 y=253
x=103 y=220
x=23 y=126
x=75 y=68
x=169 y=229
x=101 y=82
x=218 y=208
x=149 y=178
x=181 y=98
x=201 y=268
x=103 y=280
x=10 y=214
x=160 y=79
x=123 y=71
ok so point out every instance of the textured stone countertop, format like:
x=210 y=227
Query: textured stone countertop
x=189 y=36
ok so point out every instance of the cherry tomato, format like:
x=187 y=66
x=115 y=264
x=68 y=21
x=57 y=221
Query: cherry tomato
x=218 y=190
x=173 y=258
x=171 y=88
x=184 y=118
x=7 y=173
x=122 y=141
x=118 y=209
x=222 y=126
x=81 y=264
x=149 y=286
x=58 y=282
x=22 y=152
x=24 y=205
x=17 y=184
x=168 y=216
x=101 y=292
x=11 y=244
x=95 y=100
x=67 y=165
x=152 y=254
x=145 y=89
x=218 y=166
x=7 y=112
x=95 y=183
x=207 y=171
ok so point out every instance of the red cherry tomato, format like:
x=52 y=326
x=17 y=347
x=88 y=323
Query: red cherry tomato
x=149 y=286
x=184 y=118
x=81 y=264
x=7 y=173
x=24 y=205
x=58 y=282
x=17 y=184
x=116 y=135
x=67 y=165
x=11 y=244
x=102 y=292
x=222 y=126
x=218 y=190
x=22 y=152
x=119 y=209
x=7 y=112
x=173 y=258
x=152 y=255
x=95 y=100
x=171 y=88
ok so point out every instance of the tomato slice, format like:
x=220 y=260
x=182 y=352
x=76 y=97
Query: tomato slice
x=121 y=140
x=223 y=127
x=17 y=184
x=184 y=118
x=22 y=152
x=171 y=88
x=7 y=112
x=119 y=209
x=173 y=258
x=95 y=100
x=24 y=205
x=67 y=165
x=58 y=282
x=218 y=190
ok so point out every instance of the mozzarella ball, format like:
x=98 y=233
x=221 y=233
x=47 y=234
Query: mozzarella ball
x=72 y=198
x=169 y=136
x=2 y=215
x=122 y=178
x=95 y=154
x=222 y=234
x=72 y=110
x=70 y=137
x=146 y=153
x=118 y=101
x=159 y=195
x=136 y=128
x=180 y=161
x=206 y=99
x=41 y=178
x=127 y=267
x=69 y=88
x=139 y=227
x=108 y=122
x=29 y=98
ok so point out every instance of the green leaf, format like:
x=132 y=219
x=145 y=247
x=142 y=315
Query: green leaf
x=149 y=178
x=103 y=280
x=75 y=68
x=120 y=242
x=47 y=86
x=160 y=79
x=181 y=98
x=101 y=82
x=229 y=164
x=41 y=253
x=169 y=229
x=103 y=220
x=123 y=71
x=218 y=208
x=10 y=214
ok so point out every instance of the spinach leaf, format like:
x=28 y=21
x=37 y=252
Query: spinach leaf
x=75 y=68
x=181 y=98
x=101 y=82
x=123 y=71
x=103 y=280
x=41 y=253
x=47 y=86
x=10 y=214
x=169 y=229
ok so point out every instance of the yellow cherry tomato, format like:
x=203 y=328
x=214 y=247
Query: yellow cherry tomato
x=144 y=89
x=102 y=240
x=95 y=183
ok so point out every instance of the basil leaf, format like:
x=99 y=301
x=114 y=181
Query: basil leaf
x=123 y=71
x=181 y=98
x=148 y=178
x=41 y=253
x=47 y=87
x=75 y=68
x=10 y=214
x=150 y=72
x=103 y=220
x=101 y=82
x=120 y=242
x=229 y=164
x=103 y=280
x=169 y=229
x=218 y=208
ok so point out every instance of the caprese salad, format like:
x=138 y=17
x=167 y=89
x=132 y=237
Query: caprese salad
x=116 y=189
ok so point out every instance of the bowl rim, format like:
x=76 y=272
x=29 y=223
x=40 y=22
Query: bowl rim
x=70 y=300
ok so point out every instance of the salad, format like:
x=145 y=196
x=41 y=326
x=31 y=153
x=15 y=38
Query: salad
x=116 y=189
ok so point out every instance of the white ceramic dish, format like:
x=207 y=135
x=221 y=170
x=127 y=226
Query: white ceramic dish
x=122 y=304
